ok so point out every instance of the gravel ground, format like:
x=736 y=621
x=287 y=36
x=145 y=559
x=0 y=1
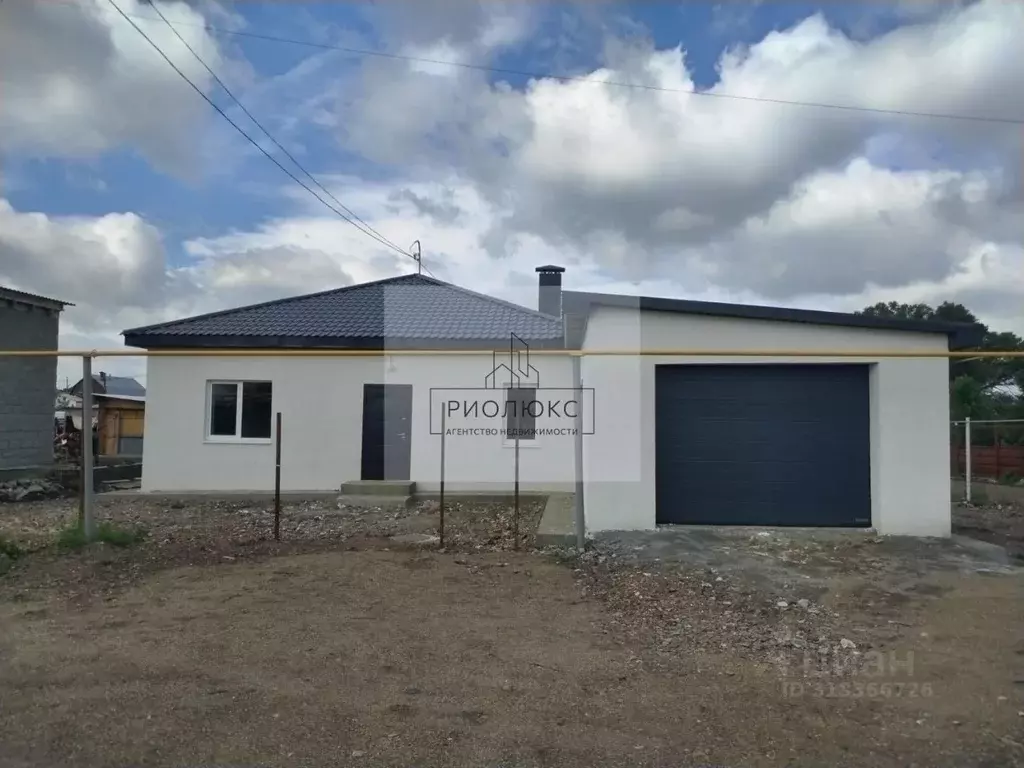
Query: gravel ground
x=998 y=523
x=213 y=531
x=207 y=644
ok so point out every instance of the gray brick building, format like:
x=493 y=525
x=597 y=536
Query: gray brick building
x=27 y=384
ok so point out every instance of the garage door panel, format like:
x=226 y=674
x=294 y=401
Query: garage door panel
x=763 y=444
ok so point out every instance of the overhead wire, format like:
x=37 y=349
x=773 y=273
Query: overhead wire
x=369 y=229
x=591 y=80
x=370 y=233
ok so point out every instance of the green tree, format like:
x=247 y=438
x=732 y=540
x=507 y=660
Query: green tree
x=987 y=372
x=967 y=398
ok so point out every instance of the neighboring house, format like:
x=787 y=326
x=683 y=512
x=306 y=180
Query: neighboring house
x=118 y=412
x=120 y=421
x=757 y=439
x=105 y=384
x=27 y=322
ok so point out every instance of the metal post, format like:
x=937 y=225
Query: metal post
x=581 y=523
x=440 y=527
x=277 y=481
x=967 y=468
x=88 y=524
x=515 y=519
x=995 y=433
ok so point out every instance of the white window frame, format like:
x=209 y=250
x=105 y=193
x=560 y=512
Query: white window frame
x=511 y=443
x=235 y=439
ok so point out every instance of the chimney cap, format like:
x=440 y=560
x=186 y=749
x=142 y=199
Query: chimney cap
x=550 y=268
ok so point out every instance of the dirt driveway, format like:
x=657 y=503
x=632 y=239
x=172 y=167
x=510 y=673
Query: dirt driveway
x=476 y=657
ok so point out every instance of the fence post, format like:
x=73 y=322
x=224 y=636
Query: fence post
x=967 y=462
x=995 y=441
x=440 y=511
x=277 y=480
x=515 y=519
x=578 y=509
x=88 y=524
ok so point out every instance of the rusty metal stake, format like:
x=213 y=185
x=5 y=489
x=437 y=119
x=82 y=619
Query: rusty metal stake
x=277 y=482
x=440 y=527
x=515 y=518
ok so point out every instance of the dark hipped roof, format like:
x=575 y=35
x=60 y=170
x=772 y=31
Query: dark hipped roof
x=410 y=311
x=113 y=386
x=961 y=335
x=122 y=386
x=9 y=294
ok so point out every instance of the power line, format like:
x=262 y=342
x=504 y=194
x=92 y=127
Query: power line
x=248 y=138
x=368 y=229
x=591 y=80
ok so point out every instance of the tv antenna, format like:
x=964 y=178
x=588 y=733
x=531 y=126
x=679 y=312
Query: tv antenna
x=417 y=255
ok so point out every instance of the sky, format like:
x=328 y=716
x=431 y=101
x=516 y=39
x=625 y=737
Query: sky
x=641 y=146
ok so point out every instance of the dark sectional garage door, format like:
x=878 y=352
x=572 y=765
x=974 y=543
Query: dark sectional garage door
x=763 y=445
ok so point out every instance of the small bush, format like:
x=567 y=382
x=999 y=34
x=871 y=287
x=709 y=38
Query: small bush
x=1010 y=478
x=9 y=548
x=73 y=537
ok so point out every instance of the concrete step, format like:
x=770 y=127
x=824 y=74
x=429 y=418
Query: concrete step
x=368 y=501
x=557 y=526
x=378 y=488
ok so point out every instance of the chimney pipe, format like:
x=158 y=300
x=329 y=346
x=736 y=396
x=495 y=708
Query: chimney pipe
x=549 y=289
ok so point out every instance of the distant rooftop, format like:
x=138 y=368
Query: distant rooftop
x=21 y=297
x=113 y=386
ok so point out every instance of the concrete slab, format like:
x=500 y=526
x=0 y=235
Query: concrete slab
x=383 y=502
x=253 y=497
x=378 y=487
x=805 y=555
x=557 y=527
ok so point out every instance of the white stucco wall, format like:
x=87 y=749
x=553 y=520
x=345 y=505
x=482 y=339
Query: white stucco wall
x=321 y=402
x=910 y=485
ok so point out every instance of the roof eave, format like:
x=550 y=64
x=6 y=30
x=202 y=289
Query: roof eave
x=960 y=335
x=182 y=342
x=33 y=300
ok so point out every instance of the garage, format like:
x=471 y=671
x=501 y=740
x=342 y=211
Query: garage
x=769 y=445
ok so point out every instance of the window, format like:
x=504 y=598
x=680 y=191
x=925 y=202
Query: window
x=238 y=410
x=519 y=417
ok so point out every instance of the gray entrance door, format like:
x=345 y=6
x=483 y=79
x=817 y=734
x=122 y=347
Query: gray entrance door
x=763 y=445
x=387 y=431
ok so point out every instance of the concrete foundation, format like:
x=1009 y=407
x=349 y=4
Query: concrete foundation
x=988 y=492
x=557 y=527
x=378 y=488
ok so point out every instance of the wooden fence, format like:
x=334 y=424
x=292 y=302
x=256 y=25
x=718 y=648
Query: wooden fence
x=992 y=461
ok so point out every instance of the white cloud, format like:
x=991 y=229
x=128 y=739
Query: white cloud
x=580 y=156
x=637 y=191
x=78 y=80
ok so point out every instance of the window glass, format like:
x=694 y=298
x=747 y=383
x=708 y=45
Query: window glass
x=223 y=409
x=256 y=409
x=519 y=418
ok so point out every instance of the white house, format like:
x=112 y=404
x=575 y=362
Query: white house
x=840 y=439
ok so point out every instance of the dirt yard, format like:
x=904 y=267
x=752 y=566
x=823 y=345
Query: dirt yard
x=206 y=645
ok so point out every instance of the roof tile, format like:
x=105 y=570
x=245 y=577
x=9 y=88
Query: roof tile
x=407 y=307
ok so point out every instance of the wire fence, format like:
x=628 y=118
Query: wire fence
x=992 y=449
